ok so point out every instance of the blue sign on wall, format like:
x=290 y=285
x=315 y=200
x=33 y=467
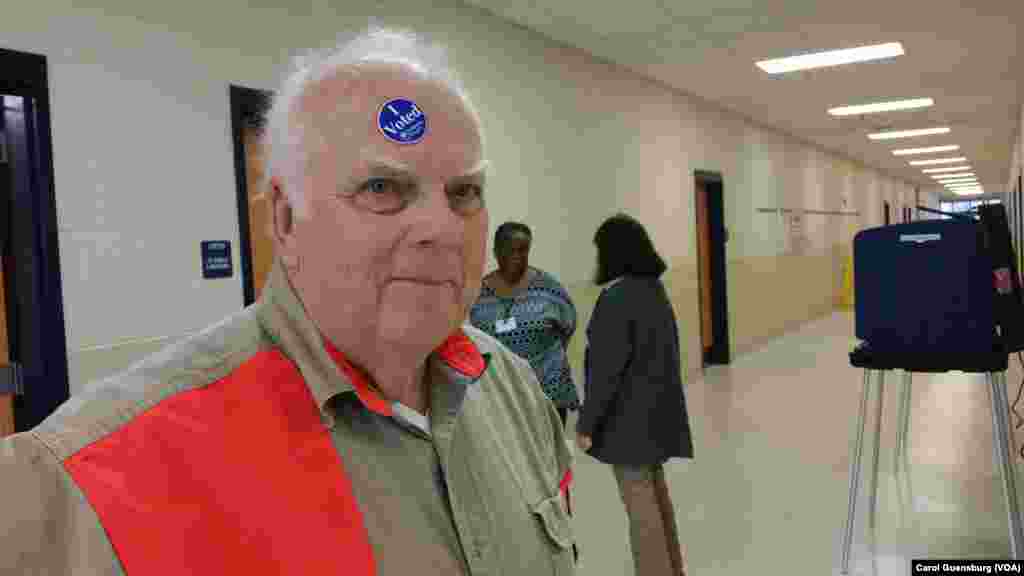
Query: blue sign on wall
x=216 y=259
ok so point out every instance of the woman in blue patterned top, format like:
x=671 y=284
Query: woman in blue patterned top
x=530 y=312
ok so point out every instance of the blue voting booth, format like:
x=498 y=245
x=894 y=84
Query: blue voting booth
x=936 y=296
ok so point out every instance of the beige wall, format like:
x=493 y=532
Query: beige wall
x=144 y=168
x=1016 y=166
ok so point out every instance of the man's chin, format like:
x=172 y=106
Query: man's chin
x=424 y=329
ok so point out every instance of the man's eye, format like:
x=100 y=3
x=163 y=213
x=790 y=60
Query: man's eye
x=381 y=195
x=467 y=198
x=381 y=186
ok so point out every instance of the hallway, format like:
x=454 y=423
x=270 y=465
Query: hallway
x=767 y=492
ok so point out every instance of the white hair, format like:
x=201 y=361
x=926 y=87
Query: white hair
x=284 y=131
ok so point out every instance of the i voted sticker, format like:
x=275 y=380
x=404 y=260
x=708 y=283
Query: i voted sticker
x=401 y=121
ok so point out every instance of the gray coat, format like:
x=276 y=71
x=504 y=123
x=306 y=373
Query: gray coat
x=634 y=409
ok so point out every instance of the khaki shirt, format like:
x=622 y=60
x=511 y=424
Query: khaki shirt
x=253 y=448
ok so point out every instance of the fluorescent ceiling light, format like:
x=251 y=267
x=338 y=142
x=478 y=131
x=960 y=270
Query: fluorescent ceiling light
x=909 y=133
x=968 y=186
x=958 y=176
x=945 y=169
x=831 y=58
x=928 y=150
x=969 y=192
x=882 y=107
x=938 y=161
x=961 y=184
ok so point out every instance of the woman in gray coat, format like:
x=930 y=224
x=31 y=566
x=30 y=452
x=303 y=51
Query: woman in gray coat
x=634 y=413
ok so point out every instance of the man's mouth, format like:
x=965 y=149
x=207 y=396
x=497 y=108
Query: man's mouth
x=425 y=281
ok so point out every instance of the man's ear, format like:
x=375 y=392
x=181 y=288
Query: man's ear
x=282 y=224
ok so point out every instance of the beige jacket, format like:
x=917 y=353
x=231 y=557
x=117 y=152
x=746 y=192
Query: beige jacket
x=253 y=448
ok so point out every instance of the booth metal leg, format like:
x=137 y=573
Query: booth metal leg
x=1004 y=444
x=903 y=425
x=873 y=494
x=855 y=460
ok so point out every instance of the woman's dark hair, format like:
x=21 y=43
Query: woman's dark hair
x=507 y=230
x=624 y=248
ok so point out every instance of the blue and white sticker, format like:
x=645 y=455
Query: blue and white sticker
x=920 y=238
x=401 y=121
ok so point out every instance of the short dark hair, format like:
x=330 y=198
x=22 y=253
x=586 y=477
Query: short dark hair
x=507 y=230
x=624 y=248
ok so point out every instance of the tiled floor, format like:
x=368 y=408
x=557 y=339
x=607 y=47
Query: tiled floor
x=767 y=492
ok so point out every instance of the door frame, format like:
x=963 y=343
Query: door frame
x=1020 y=216
x=714 y=185
x=247 y=108
x=35 y=297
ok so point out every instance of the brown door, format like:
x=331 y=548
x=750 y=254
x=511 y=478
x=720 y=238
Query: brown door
x=704 y=268
x=6 y=400
x=261 y=246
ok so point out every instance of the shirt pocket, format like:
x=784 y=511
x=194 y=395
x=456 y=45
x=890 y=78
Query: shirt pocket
x=554 y=521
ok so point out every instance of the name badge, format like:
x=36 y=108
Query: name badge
x=506 y=325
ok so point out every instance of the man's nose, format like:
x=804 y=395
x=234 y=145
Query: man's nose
x=434 y=220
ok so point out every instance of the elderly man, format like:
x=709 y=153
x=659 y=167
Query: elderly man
x=347 y=423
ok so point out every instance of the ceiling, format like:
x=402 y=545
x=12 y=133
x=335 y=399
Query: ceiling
x=965 y=55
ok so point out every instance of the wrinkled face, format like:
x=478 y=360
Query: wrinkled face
x=513 y=255
x=394 y=246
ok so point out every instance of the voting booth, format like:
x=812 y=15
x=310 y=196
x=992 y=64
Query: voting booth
x=936 y=296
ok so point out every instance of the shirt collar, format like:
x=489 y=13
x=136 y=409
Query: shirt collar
x=326 y=370
x=612 y=283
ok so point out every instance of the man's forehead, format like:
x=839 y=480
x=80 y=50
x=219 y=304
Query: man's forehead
x=359 y=108
x=371 y=158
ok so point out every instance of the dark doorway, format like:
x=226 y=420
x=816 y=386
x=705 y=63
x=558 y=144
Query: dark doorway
x=711 y=267
x=887 y=215
x=247 y=109
x=31 y=267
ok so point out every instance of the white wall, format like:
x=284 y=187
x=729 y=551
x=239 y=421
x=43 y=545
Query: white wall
x=144 y=168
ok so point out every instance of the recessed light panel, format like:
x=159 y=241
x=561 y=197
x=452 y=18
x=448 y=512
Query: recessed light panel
x=928 y=150
x=891 y=135
x=877 y=107
x=937 y=161
x=831 y=58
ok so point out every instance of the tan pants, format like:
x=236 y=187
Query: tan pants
x=653 y=536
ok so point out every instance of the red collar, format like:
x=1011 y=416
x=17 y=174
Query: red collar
x=458 y=352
